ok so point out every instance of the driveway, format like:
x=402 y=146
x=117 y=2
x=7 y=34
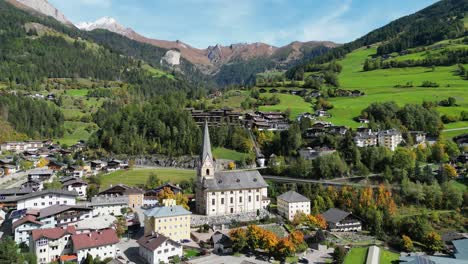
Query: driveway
x=129 y=247
x=211 y=259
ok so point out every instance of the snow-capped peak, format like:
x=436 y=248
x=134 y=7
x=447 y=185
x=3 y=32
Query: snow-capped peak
x=108 y=23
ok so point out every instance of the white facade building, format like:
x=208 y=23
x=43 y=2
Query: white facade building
x=49 y=244
x=100 y=244
x=290 y=203
x=75 y=184
x=43 y=199
x=108 y=204
x=156 y=248
x=390 y=138
x=23 y=227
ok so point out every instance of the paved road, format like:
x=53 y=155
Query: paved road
x=455 y=129
x=323 y=182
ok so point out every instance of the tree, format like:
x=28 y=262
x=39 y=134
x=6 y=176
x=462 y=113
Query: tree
x=285 y=248
x=182 y=200
x=120 y=226
x=54 y=185
x=165 y=193
x=239 y=239
x=254 y=236
x=231 y=165
x=449 y=171
x=339 y=254
x=269 y=241
x=153 y=181
x=433 y=242
x=92 y=191
x=407 y=243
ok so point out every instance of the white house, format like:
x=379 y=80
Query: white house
x=23 y=227
x=46 y=198
x=75 y=184
x=155 y=248
x=60 y=215
x=100 y=244
x=341 y=221
x=390 y=138
x=290 y=203
x=108 y=204
x=51 y=243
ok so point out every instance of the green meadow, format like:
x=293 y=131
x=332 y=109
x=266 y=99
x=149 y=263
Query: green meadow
x=138 y=176
x=379 y=87
x=295 y=103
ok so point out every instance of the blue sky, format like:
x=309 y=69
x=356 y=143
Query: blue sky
x=201 y=23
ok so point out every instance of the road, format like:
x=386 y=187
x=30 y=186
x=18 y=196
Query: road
x=323 y=182
x=18 y=178
x=455 y=129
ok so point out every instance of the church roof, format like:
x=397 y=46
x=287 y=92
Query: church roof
x=235 y=180
x=206 y=151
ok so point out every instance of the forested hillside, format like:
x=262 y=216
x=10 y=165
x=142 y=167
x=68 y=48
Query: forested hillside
x=442 y=20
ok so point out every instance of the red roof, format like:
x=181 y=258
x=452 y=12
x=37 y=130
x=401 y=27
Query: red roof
x=52 y=233
x=25 y=219
x=68 y=257
x=95 y=239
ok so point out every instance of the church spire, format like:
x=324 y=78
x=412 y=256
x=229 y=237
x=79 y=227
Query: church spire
x=206 y=151
x=206 y=167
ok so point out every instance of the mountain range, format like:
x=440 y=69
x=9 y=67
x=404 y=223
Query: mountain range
x=210 y=60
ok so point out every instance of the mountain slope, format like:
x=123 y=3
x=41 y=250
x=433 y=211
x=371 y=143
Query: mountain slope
x=212 y=59
x=43 y=7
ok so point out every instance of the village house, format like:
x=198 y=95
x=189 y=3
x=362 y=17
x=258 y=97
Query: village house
x=227 y=192
x=60 y=215
x=313 y=153
x=23 y=227
x=338 y=220
x=21 y=146
x=95 y=224
x=75 y=184
x=46 y=198
x=365 y=138
x=290 y=203
x=216 y=117
x=111 y=204
x=151 y=196
x=100 y=244
x=390 y=138
x=170 y=220
x=222 y=243
x=34 y=185
x=41 y=174
x=50 y=244
x=98 y=165
x=135 y=195
x=272 y=121
x=156 y=248
x=418 y=137
x=116 y=165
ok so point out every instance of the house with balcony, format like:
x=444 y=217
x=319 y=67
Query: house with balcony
x=341 y=221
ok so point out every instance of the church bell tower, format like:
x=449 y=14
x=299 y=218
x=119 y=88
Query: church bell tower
x=206 y=167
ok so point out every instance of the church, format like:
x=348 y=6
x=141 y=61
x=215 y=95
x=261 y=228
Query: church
x=227 y=192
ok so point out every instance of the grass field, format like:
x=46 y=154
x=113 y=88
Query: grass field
x=356 y=255
x=379 y=87
x=137 y=176
x=77 y=92
x=289 y=101
x=74 y=131
x=224 y=153
x=388 y=257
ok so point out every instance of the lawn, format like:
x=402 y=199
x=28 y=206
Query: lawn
x=74 y=131
x=288 y=101
x=388 y=257
x=77 y=92
x=356 y=255
x=224 y=153
x=408 y=211
x=190 y=253
x=137 y=176
x=378 y=86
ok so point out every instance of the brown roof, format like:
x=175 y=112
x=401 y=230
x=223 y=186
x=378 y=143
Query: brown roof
x=59 y=208
x=52 y=233
x=95 y=239
x=26 y=219
x=122 y=189
x=153 y=241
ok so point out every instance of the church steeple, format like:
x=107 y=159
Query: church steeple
x=206 y=167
